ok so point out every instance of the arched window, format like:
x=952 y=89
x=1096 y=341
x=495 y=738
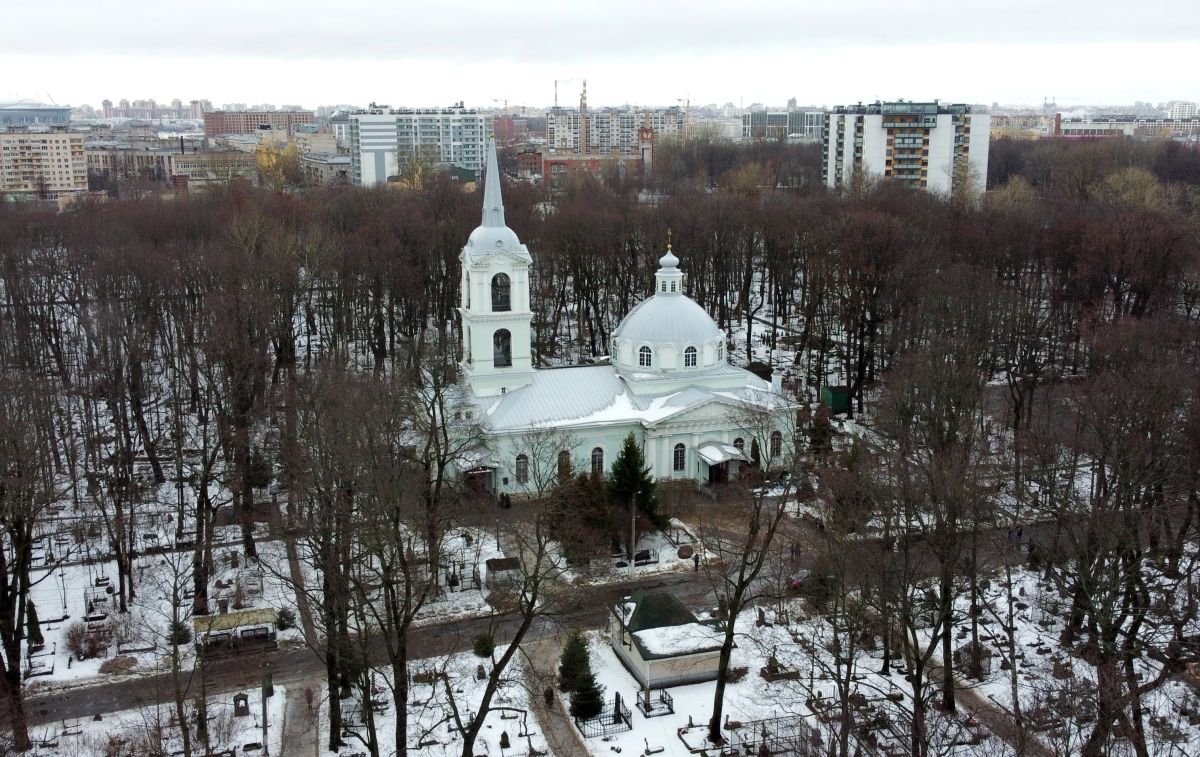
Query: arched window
x=522 y=469
x=644 y=357
x=721 y=352
x=500 y=293
x=672 y=286
x=776 y=445
x=678 y=458
x=598 y=462
x=467 y=293
x=664 y=286
x=689 y=357
x=740 y=443
x=502 y=349
x=564 y=465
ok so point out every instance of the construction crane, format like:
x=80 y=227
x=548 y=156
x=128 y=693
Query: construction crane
x=563 y=81
x=687 y=111
x=505 y=101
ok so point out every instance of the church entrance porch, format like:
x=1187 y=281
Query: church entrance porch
x=723 y=461
x=479 y=482
x=718 y=474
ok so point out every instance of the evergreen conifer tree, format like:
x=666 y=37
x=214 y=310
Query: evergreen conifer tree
x=33 y=628
x=631 y=478
x=588 y=700
x=574 y=666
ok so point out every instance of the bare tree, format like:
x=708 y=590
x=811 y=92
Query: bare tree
x=740 y=530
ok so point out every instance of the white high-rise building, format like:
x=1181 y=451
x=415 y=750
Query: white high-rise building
x=383 y=139
x=1182 y=110
x=924 y=145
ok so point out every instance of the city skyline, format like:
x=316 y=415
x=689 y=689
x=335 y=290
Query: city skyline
x=485 y=54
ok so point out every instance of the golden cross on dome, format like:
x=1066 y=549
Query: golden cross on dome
x=668 y=240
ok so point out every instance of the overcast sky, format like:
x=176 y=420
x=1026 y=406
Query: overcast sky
x=401 y=52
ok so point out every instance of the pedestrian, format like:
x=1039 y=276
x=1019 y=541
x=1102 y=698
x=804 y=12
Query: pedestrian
x=696 y=561
x=549 y=694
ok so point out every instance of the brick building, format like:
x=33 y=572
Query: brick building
x=244 y=122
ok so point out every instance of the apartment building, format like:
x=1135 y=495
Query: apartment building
x=790 y=125
x=221 y=122
x=109 y=161
x=384 y=139
x=42 y=163
x=925 y=145
x=1182 y=110
x=1127 y=126
x=608 y=131
x=200 y=169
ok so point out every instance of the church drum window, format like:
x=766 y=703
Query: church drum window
x=502 y=349
x=501 y=290
x=644 y=357
x=689 y=357
x=598 y=462
x=776 y=445
x=740 y=443
x=677 y=459
x=522 y=469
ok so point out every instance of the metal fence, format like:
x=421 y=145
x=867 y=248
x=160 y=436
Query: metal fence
x=655 y=703
x=616 y=719
x=790 y=736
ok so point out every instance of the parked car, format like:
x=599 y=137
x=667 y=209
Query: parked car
x=797 y=580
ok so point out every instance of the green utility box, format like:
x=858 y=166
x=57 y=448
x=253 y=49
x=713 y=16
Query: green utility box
x=836 y=398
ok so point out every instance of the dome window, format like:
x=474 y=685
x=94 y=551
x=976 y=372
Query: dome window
x=501 y=289
x=645 y=359
x=677 y=459
x=689 y=357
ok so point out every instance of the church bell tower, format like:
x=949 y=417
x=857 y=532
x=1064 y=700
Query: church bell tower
x=494 y=307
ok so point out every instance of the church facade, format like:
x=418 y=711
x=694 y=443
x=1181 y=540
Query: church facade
x=667 y=381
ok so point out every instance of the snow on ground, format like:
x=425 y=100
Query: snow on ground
x=664 y=556
x=153 y=730
x=66 y=594
x=431 y=733
x=790 y=704
x=1056 y=688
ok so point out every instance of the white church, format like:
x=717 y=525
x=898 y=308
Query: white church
x=667 y=379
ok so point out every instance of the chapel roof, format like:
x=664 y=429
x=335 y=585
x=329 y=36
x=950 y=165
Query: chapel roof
x=598 y=395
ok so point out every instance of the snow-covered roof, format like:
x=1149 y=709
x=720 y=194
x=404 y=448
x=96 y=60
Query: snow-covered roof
x=598 y=395
x=672 y=641
x=715 y=453
x=668 y=319
x=660 y=626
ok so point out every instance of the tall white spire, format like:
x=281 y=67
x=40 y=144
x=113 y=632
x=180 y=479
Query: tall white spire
x=493 y=203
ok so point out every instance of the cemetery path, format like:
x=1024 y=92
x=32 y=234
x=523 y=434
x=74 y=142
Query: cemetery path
x=299 y=724
x=998 y=721
x=541 y=663
x=296 y=667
